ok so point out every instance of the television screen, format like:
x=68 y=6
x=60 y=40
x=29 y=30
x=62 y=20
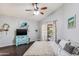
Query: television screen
x=21 y=32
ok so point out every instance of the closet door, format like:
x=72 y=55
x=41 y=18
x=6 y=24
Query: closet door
x=44 y=32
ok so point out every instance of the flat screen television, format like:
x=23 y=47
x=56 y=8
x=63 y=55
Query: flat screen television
x=21 y=32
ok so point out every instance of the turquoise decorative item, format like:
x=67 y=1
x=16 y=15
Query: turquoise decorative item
x=24 y=24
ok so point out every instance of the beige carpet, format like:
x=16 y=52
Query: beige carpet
x=40 y=48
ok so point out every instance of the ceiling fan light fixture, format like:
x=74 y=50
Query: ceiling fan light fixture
x=36 y=12
x=35 y=7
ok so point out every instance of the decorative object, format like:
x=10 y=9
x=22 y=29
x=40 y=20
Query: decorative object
x=23 y=25
x=72 y=22
x=69 y=48
x=36 y=30
x=76 y=51
x=3 y=30
x=5 y=26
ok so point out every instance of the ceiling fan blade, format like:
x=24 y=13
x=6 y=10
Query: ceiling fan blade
x=28 y=10
x=43 y=8
x=42 y=13
x=33 y=4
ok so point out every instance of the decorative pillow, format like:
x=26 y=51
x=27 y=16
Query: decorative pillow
x=69 y=48
x=62 y=43
x=76 y=51
x=57 y=41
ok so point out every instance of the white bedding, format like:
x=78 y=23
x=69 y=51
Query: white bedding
x=40 y=48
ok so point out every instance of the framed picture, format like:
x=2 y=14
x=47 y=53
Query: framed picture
x=72 y=22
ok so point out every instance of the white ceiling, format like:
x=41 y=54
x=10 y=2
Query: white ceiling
x=18 y=10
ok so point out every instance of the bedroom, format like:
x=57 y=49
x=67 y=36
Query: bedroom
x=16 y=15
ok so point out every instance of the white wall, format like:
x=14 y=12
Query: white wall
x=14 y=22
x=69 y=11
x=58 y=15
x=62 y=15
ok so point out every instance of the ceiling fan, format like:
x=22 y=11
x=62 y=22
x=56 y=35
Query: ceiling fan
x=36 y=9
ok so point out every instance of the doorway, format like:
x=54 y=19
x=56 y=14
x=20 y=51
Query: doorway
x=49 y=31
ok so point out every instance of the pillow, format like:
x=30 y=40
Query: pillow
x=63 y=43
x=57 y=41
x=69 y=48
x=76 y=51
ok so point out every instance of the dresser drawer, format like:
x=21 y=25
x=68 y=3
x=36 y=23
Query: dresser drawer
x=21 y=40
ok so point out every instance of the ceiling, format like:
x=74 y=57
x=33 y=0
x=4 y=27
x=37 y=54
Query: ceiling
x=18 y=10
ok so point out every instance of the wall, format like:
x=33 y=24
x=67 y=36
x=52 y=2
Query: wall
x=14 y=22
x=62 y=15
x=57 y=15
x=69 y=11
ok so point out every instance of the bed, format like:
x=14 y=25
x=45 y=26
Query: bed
x=40 y=48
x=48 y=48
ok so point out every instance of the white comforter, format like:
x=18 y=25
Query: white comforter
x=40 y=48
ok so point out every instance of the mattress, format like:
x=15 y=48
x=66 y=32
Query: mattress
x=40 y=48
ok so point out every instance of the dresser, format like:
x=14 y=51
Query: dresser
x=22 y=37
